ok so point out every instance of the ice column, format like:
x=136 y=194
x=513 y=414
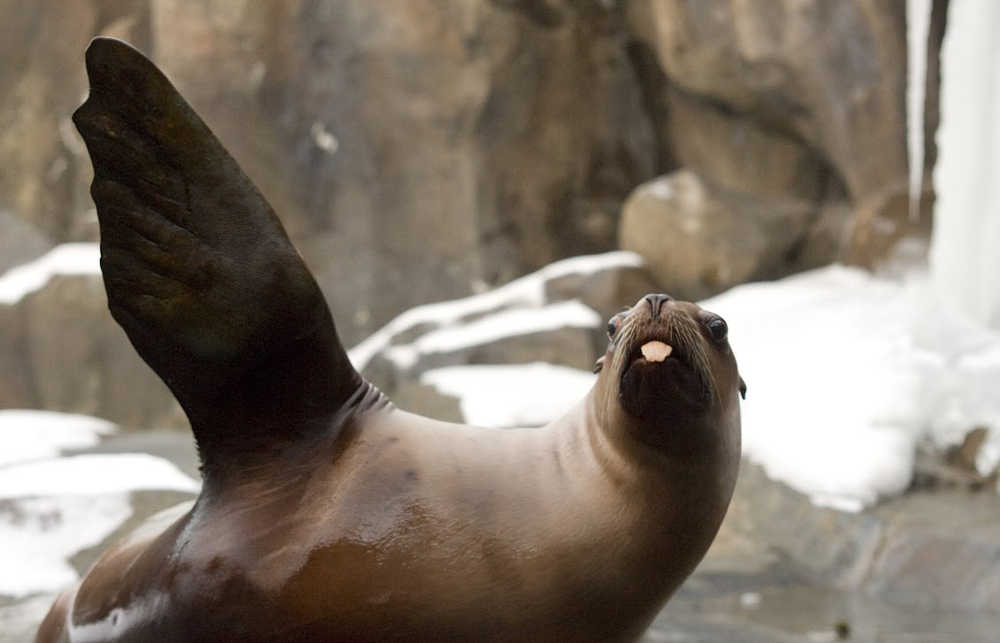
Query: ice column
x=965 y=244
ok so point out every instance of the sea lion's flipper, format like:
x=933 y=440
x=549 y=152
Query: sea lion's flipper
x=198 y=269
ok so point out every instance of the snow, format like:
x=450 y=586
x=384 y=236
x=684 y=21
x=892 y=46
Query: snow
x=506 y=323
x=53 y=507
x=30 y=434
x=41 y=534
x=65 y=259
x=847 y=370
x=965 y=260
x=511 y=395
x=527 y=291
x=92 y=474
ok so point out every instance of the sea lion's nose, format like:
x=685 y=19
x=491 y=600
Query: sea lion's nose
x=656 y=303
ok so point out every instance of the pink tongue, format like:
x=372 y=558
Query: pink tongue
x=656 y=351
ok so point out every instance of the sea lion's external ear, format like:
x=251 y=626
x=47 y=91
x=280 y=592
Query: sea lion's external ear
x=743 y=389
x=599 y=364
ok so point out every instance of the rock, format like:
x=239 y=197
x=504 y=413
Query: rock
x=20 y=241
x=423 y=399
x=558 y=315
x=17 y=382
x=831 y=73
x=698 y=242
x=793 y=99
x=419 y=151
x=415 y=151
x=923 y=549
x=955 y=467
x=425 y=150
x=45 y=168
x=606 y=291
x=740 y=154
x=66 y=354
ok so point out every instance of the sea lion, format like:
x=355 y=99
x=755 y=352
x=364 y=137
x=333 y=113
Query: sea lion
x=326 y=513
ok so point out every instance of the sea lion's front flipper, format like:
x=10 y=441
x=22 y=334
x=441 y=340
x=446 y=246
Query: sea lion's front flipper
x=198 y=269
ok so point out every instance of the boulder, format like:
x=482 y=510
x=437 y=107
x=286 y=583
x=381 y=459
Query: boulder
x=62 y=351
x=556 y=315
x=697 y=241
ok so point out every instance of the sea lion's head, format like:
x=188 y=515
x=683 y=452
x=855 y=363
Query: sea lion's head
x=668 y=367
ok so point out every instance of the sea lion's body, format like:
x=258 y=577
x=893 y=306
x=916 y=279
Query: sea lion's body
x=402 y=527
x=329 y=515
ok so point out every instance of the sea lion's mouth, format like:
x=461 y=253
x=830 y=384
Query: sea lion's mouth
x=655 y=350
x=660 y=371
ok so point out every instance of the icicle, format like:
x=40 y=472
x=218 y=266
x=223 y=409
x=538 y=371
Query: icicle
x=918 y=18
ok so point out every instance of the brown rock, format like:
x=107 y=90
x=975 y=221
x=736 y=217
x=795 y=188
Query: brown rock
x=45 y=169
x=20 y=241
x=17 y=381
x=70 y=356
x=697 y=243
x=740 y=154
x=792 y=99
x=418 y=150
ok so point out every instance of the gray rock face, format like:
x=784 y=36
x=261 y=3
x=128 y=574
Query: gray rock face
x=418 y=150
x=45 y=168
x=926 y=549
x=60 y=350
x=792 y=106
x=921 y=567
x=422 y=150
x=415 y=151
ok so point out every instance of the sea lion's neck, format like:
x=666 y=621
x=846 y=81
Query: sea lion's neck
x=670 y=504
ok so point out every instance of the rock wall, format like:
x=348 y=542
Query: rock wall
x=427 y=149
x=790 y=122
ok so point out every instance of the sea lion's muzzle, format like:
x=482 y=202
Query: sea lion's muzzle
x=660 y=357
x=658 y=340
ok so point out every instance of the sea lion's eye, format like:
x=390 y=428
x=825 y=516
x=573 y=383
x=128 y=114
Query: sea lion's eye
x=718 y=327
x=613 y=325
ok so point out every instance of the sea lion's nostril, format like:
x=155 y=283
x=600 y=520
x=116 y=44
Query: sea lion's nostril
x=655 y=303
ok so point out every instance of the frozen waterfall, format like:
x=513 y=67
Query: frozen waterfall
x=965 y=244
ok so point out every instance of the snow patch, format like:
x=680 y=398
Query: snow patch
x=846 y=371
x=65 y=259
x=506 y=323
x=30 y=434
x=92 y=474
x=53 y=507
x=527 y=291
x=512 y=395
x=40 y=534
